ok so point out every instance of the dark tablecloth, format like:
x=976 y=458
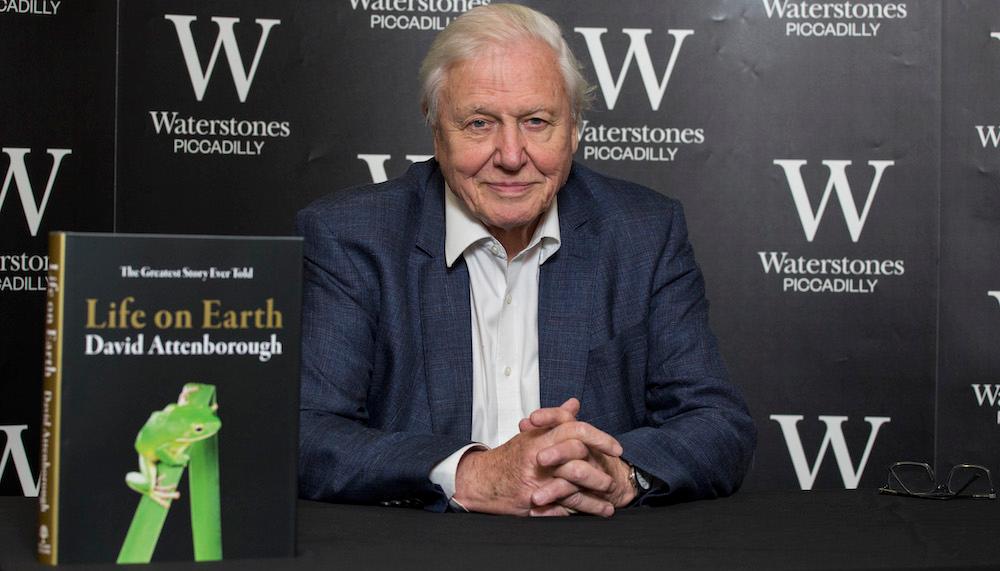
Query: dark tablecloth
x=843 y=529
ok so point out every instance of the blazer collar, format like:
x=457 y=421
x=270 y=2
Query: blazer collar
x=576 y=204
x=427 y=177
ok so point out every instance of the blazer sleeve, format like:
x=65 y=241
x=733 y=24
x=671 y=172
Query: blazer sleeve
x=342 y=458
x=698 y=437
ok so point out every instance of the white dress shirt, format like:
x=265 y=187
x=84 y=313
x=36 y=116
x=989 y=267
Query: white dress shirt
x=503 y=297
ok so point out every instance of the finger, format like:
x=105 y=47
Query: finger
x=562 y=452
x=553 y=416
x=554 y=510
x=552 y=492
x=594 y=439
x=572 y=404
x=586 y=503
x=586 y=476
x=569 y=496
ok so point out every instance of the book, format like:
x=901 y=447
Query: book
x=170 y=398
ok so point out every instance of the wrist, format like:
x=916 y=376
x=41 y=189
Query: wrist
x=641 y=482
x=626 y=484
x=469 y=477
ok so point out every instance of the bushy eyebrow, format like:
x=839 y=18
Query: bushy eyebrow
x=483 y=110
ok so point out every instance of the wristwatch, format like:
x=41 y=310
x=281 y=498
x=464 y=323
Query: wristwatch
x=640 y=480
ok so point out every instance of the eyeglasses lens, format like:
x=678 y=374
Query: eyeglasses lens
x=969 y=481
x=914 y=478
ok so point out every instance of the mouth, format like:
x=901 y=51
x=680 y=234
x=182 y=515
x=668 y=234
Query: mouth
x=196 y=438
x=510 y=188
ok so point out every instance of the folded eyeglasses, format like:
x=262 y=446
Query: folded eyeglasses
x=916 y=479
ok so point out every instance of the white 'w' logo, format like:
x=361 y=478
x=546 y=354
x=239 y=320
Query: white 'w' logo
x=834 y=437
x=637 y=50
x=837 y=182
x=226 y=40
x=17 y=173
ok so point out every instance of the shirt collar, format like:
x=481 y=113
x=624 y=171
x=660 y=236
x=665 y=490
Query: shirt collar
x=463 y=230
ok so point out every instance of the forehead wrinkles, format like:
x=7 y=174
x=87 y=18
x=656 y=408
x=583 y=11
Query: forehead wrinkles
x=518 y=81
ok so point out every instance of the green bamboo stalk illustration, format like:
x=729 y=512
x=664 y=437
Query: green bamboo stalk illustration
x=148 y=521
x=203 y=483
x=171 y=438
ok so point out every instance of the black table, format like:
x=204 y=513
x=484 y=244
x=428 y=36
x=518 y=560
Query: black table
x=849 y=529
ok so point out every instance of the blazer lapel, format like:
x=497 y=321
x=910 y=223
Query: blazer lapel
x=565 y=294
x=445 y=317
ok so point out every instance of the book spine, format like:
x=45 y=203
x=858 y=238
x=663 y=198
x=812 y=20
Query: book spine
x=48 y=488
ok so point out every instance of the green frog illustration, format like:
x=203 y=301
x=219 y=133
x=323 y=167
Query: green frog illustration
x=166 y=437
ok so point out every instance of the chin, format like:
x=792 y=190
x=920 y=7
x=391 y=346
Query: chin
x=510 y=222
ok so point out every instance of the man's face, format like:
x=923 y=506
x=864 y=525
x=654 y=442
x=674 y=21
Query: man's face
x=505 y=134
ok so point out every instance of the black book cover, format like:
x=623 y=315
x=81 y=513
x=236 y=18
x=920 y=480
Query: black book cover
x=170 y=359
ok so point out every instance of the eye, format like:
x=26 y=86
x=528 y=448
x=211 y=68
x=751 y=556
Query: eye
x=536 y=123
x=478 y=124
x=199 y=428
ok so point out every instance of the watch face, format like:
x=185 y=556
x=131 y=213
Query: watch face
x=642 y=480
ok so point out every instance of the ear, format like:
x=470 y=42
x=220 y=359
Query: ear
x=424 y=108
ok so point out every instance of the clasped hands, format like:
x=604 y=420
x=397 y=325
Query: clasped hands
x=556 y=465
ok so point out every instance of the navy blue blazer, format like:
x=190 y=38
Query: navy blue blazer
x=622 y=325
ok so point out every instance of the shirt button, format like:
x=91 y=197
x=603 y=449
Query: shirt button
x=495 y=250
x=506 y=372
x=508 y=299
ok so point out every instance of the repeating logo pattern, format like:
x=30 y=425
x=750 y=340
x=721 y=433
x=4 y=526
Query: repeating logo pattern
x=833 y=212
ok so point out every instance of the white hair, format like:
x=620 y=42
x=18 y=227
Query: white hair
x=491 y=25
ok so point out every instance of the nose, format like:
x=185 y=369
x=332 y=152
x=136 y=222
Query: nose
x=510 y=153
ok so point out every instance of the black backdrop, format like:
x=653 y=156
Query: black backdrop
x=838 y=161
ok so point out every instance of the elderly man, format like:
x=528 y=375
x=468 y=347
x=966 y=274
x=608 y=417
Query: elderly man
x=501 y=329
